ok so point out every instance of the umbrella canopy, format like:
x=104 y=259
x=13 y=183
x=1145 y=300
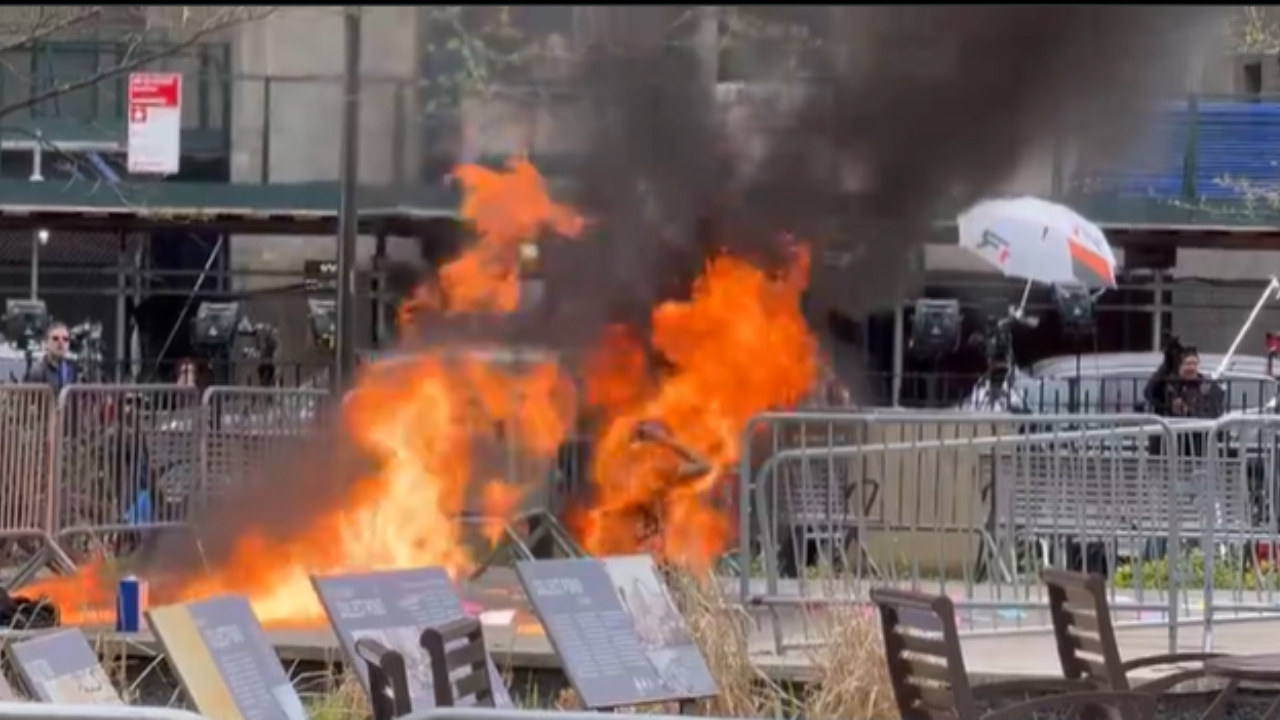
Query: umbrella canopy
x=1038 y=241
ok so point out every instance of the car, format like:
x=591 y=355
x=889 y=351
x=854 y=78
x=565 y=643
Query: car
x=1106 y=383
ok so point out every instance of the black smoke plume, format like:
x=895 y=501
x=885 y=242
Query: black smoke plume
x=906 y=115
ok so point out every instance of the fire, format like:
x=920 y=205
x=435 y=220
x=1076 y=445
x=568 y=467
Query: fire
x=738 y=347
x=417 y=420
x=426 y=423
x=506 y=211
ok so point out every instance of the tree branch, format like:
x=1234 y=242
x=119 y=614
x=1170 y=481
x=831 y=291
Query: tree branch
x=133 y=62
x=39 y=33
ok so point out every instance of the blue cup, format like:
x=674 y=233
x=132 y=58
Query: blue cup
x=131 y=604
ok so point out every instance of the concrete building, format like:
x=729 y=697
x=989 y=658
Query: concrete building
x=281 y=88
x=294 y=136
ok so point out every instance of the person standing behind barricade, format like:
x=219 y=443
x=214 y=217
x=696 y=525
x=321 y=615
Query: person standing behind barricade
x=1187 y=394
x=55 y=368
x=145 y=499
x=1193 y=395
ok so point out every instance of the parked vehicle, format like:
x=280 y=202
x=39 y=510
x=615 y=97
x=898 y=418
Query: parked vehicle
x=1105 y=383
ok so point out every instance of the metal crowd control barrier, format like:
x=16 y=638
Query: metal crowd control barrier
x=467 y=713
x=244 y=427
x=1240 y=563
x=50 y=711
x=26 y=488
x=121 y=451
x=101 y=465
x=967 y=503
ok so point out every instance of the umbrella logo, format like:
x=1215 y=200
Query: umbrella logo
x=992 y=241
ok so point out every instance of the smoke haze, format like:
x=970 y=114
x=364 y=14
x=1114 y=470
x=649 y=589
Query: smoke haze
x=911 y=113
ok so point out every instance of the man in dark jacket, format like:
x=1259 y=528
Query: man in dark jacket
x=55 y=368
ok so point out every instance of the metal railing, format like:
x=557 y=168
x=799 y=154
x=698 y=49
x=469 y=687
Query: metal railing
x=1088 y=394
x=1183 y=517
x=101 y=465
x=50 y=711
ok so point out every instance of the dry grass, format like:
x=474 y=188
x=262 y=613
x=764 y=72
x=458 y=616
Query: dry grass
x=849 y=676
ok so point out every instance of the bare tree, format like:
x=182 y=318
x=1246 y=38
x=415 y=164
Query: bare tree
x=145 y=34
x=497 y=73
x=1254 y=29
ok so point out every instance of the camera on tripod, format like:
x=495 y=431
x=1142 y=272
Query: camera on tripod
x=995 y=339
x=86 y=347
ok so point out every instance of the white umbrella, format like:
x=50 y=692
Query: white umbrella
x=1038 y=241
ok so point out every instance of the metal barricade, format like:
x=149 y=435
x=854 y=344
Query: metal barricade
x=246 y=427
x=26 y=480
x=50 y=711
x=122 y=454
x=1240 y=567
x=968 y=505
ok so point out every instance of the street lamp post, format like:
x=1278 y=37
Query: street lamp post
x=348 y=211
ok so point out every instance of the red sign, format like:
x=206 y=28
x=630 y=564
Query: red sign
x=155 y=90
x=155 y=123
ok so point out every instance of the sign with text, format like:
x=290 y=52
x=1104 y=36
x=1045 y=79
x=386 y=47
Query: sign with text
x=155 y=123
x=616 y=630
x=393 y=608
x=225 y=661
x=62 y=668
x=320 y=275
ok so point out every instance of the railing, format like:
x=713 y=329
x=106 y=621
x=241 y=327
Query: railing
x=1055 y=395
x=106 y=463
x=49 y=711
x=1203 y=148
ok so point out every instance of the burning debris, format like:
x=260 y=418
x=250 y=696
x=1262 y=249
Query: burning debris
x=421 y=425
x=678 y=310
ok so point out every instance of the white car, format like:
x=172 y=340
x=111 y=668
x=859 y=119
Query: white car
x=1106 y=383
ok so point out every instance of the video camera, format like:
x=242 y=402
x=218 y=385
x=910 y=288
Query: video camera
x=996 y=337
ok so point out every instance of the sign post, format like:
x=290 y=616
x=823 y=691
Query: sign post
x=155 y=123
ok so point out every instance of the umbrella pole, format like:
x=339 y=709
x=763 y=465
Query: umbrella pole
x=1022 y=306
x=1274 y=285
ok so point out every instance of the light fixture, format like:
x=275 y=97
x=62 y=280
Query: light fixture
x=43 y=236
x=1075 y=309
x=216 y=324
x=323 y=315
x=25 y=320
x=935 y=328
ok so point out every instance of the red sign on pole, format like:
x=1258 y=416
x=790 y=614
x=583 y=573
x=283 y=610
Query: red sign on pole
x=155 y=90
x=155 y=123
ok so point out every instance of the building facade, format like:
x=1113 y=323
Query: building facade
x=266 y=110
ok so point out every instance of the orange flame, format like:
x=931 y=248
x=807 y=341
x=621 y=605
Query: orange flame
x=507 y=211
x=739 y=346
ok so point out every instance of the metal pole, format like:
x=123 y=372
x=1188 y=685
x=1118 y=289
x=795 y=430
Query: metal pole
x=1157 y=310
x=347 y=211
x=35 y=265
x=1273 y=286
x=123 y=258
x=899 y=353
